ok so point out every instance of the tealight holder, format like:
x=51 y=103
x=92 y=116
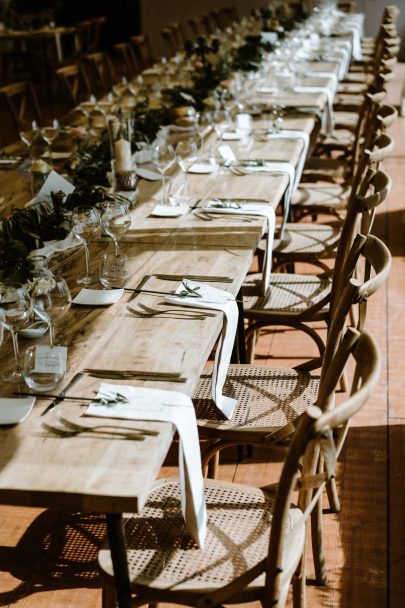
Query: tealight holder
x=126 y=180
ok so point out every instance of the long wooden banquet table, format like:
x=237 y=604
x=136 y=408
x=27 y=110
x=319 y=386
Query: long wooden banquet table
x=103 y=474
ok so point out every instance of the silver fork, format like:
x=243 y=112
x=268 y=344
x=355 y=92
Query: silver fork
x=151 y=312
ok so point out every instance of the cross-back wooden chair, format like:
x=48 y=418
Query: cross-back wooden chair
x=297 y=300
x=312 y=198
x=90 y=32
x=255 y=545
x=197 y=26
x=125 y=58
x=20 y=101
x=73 y=84
x=170 y=40
x=96 y=72
x=179 y=34
x=143 y=50
x=313 y=243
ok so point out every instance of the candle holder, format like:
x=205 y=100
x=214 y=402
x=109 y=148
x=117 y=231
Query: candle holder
x=126 y=180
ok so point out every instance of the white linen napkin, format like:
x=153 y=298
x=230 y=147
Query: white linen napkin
x=177 y=408
x=290 y=134
x=216 y=299
x=330 y=75
x=329 y=119
x=251 y=209
x=52 y=247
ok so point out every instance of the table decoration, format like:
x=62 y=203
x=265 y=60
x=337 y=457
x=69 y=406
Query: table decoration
x=177 y=408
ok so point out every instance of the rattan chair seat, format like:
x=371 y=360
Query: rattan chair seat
x=308 y=239
x=288 y=294
x=346 y=119
x=322 y=195
x=340 y=138
x=268 y=398
x=161 y=555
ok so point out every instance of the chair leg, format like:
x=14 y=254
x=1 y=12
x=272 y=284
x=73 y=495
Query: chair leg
x=298 y=584
x=251 y=341
x=108 y=596
x=213 y=465
x=344 y=387
x=317 y=544
x=333 y=498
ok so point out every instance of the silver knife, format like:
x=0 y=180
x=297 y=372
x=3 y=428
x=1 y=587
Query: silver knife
x=62 y=394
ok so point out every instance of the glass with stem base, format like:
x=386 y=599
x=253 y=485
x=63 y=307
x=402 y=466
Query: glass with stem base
x=15 y=311
x=28 y=132
x=186 y=156
x=51 y=300
x=163 y=159
x=86 y=223
x=116 y=221
x=49 y=133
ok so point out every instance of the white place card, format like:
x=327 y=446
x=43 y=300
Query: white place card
x=170 y=210
x=50 y=360
x=202 y=168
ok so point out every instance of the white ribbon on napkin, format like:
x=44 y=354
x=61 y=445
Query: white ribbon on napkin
x=177 y=408
x=329 y=119
x=290 y=134
x=252 y=209
x=216 y=299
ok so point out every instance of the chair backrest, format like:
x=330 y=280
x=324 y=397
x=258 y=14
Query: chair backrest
x=73 y=83
x=96 y=73
x=90 y=32
x=197 y=26
x=128 y=63
x=20 y=100
x=143 y=50
x=314 y=439
x=178 y=33
x=170 y=41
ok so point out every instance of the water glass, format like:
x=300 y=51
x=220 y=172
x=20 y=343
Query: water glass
x=44 y=367
x=113 y=270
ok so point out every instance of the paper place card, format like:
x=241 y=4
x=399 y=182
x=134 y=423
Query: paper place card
x=231 y=136
x=50 y=360
x=54 y=183
x=97 y=297
x=266 y=89
x=226 y=153
x=170 y=210
x=202 y=168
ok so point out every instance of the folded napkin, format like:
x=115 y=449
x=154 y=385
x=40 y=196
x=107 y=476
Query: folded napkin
x=329 y=122
x=215 y=299
x=251 y=209
x=291 y=134
x=330 y=75
x=177 y=408
x=52 y=247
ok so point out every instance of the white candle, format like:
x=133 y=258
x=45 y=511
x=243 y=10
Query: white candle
x=123 y=160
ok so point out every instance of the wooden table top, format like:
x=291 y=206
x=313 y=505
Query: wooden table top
x=111 y=475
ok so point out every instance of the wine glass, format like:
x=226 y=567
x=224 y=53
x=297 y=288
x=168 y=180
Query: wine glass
x=28 y=132
x=51 y=300
x=15 y=311
x=186 y=156
x=115 y=220
x=86 y=223
x=222 y=122
x=50 y=133
x=163 y=159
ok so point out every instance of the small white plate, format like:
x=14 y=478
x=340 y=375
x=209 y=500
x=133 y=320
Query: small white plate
x=169 y=210
x=151 y=176
x=97 y=297
x=231 y=136
x=13 y=411
x=266 y=90
x=37 y=330
x=202 y=168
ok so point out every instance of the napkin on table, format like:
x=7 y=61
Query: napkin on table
x=329 y=119
x=177 y=408
x=216 y=299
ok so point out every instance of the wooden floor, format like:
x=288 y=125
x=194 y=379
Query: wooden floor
x=49 y=559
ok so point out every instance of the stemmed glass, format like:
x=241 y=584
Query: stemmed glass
x=163 y=159
x=50 y=133
x=186 y=156
x=28 y=132
x=116 y=221
x=51 y=300
x=86 y=223
x=222 y=122
x=15 y=311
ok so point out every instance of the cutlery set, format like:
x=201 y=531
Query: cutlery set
x=67 y=428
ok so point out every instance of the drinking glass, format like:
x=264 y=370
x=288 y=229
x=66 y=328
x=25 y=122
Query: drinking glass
x=163 y=159
x=51 y=300
x=50 y=133
x=15 y=311
x=86 y=223
x=44 y=369
x=186 y=156
x=28 y=132
x=222 y=122
x=116 y=221
x=113 y=270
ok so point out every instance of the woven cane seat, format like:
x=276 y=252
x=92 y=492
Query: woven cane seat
x=289 y=294
x=308 y=240
x=268 y=398
x=339 y=139
x=348 y=120
x=161 y=555
x=333 y=196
